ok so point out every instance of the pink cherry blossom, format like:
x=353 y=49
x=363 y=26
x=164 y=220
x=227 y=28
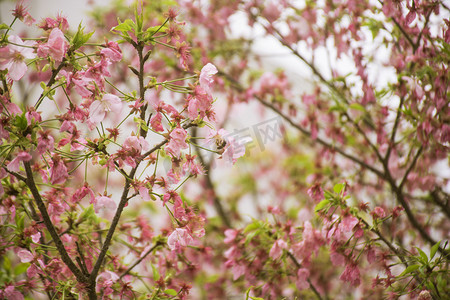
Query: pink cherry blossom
x=137 y=143
x=230 y=235
x=105 y=280
x=351 y=274
x=316 y=192
x=155 y=122
x=25 y=255
x=58 y=171
x=233 y=149
x=105 y=206
x=347 y=223
x=112 y=52
x=379 y=212
x=199 y=103
x=21 y=12
x=302 y=279
x=178 y=239
x=56 y=46
x=45 y=142
x=177 y=142
x=11 y=293
x=36 y=237
x=12 y=57
x=206 y=76
x=14 y=165
x=99 y=108
x=277 y=249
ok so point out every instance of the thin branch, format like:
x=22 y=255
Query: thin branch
x=394 y=132
x=210 y=186
x=140 y=259
x=411 y=167
x=236 y=85
x=311 y=285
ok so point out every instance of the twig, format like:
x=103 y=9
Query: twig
x=311 y=285
x=140 y=259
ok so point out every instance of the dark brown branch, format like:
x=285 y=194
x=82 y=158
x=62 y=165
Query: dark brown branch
x=140 y=49
x=51 y=229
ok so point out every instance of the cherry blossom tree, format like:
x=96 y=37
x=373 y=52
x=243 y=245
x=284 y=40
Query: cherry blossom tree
x=120 y=181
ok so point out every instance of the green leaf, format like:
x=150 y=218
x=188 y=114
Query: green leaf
x=127 y=25
x=321 y=205
x=21 y=268
x=338 y=188
x=434 y=249
x=423 y=255
x=357 y=106
x=4 y=26
x=21 y=122
x=80 y=38
x=20 y=221
x=252 y=226
x=410 y=269
x=171 y=292
x=88 y=213
x=6 y=263
x=154 y=29
x=250 y=236
x=156 y=275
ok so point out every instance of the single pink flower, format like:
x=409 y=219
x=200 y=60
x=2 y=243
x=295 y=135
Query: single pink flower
x=155 y=122
x=56 y=46
x=231 y=149
x=378 y=213
x=21 y=12
x=230 y=235
x=302 y=279
x=112 y=52
x=177 y=142
x=45 y=142
x=337 y=259
x=238 y=271
x=58 y=171
x=206 y=77
x=277 y=249
x=99 y=108
x=11 y=293
x=316 y=192
x=12 y=57
x=25 y=255
x=347 y=223
x=104 y=282
x=14 y=165
x=351 y=274
x=36 y=237
x=104 y=205
x=199 y=103
x=179 y=238
x=83 y=192
x=137 y=143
